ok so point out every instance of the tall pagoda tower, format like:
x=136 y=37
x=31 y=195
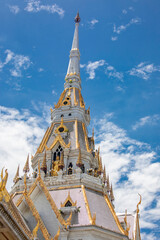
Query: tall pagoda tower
x=69 y=196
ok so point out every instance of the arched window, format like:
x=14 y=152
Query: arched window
x=58 y=153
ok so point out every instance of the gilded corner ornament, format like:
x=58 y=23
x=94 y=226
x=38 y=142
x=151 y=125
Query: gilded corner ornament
x=68 y=221
x=139 y=203
x=56 y=237
x=3 y=191
x=35 y=230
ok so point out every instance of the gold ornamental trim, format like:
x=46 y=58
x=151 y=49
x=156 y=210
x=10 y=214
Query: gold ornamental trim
x=60 y=140
x=76 y=132
x=81 y=99
x=75 y=100
x=86 y=203
x=86 y=138
x=37 y=217
x=63 y=188
x=60 y=99
x=45 y=139
x=70 y=200
x=4 y=196
x=19 y=201
x=56 y=237
x=114 y=215
x=65 y=129
x=48 y=197
x=52 y=203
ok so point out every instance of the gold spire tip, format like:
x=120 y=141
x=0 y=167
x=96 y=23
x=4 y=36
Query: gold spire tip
x=77 y=18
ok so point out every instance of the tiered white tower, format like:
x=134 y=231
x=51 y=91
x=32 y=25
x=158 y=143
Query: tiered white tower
x=69 y=195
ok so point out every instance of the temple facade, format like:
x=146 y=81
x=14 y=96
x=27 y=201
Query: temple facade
x=69 y=196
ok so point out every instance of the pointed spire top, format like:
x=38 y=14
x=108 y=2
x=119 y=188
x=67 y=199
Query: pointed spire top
x=111 y=194
x=73 y=72
x=104 y=175
x=26 y=166
x=100 y=170
x=16 y=178
x=77 y=18
x=93 y=133
x=108 y=184
x=25 y=184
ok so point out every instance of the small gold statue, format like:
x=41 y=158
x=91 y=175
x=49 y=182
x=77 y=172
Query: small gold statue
x=55 y=167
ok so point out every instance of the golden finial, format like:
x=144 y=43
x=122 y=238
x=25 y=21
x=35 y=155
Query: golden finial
x=93 y=133
x=3 y=192
x=125 y=220
x=51 y=109
x=35 y=230
x=57 y=234
x=104 y=174
x=79 y=160
x=77 y=18
x=16 y=178
x=44 y=164
x=111 y=194
x=25 y=184
x=3 y=180
x=108 y=184
x=69 y=219
x=99 y=165
x=139 y=203
x=98 y=150
x=94 y=219
x=26 y=166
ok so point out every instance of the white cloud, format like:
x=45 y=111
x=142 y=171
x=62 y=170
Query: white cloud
x=14 y=9
x=40 y=69
x=120 y=89
x=110 y=71
x=144 y=70
x=82 y=65
x=124 y=11
x=92 y=66
x=20 y=133
x=147 y=120
x=114 y=38
x=15 y=62
x=54 y=92
x=93 y=22
x=148 y=236
x=121 y=28
x=36 y=6
x=133 y=169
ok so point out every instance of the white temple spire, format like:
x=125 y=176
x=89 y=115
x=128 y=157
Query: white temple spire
x=73 y=72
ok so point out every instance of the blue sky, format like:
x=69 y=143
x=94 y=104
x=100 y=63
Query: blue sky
x=120 y=72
